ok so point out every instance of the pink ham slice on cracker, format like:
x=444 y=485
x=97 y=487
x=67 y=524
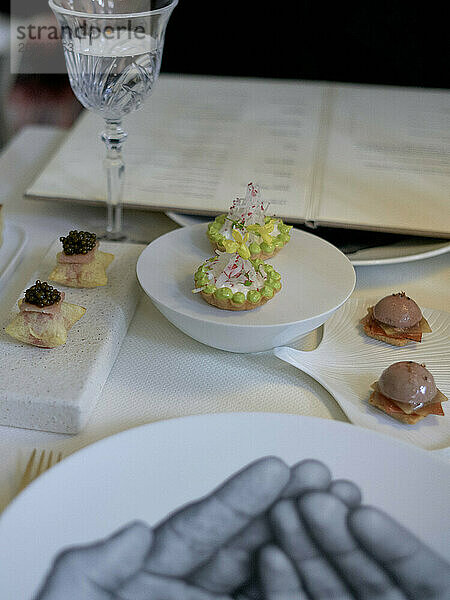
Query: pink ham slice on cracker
x=78 y=259
x=82 y=270
x=45 y=327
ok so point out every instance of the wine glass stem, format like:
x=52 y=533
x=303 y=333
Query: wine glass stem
x=114 y=136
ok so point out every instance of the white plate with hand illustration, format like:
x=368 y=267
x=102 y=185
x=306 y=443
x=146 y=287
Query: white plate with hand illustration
x=147 y=472
x=347 y=362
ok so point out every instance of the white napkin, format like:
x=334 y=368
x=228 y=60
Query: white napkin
x=160 y=374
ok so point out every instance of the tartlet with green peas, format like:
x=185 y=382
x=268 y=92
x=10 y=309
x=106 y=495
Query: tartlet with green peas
x=231 y=282
x=267 y=235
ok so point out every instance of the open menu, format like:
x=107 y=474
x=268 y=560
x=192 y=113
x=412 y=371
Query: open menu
x=362 y=157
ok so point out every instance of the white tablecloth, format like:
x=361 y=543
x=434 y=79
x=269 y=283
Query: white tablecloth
x=141 y=388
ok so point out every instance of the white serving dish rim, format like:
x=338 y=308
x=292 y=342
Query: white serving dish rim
x=211 y=319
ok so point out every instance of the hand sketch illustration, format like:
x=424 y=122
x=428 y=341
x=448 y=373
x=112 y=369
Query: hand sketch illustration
x=269 y=532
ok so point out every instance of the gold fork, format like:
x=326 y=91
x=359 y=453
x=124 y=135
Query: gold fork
x=33 y=471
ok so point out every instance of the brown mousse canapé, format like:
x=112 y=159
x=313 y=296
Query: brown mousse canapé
x=407 y=392
x=395 y=320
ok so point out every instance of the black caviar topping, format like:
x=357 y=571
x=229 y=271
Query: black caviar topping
x=42 y=294
x=78 y=242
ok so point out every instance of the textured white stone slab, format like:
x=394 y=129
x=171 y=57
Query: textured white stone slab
x=56 y=390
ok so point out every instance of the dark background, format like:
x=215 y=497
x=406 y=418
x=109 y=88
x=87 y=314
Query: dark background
x=378 y=42
x=396 y=43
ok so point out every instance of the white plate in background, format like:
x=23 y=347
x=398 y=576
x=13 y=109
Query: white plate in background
x=406 y=250
x=14 y=242
x=147 y=472
x=186 y=220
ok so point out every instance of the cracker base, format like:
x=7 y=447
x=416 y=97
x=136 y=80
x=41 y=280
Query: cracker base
x=402 y=417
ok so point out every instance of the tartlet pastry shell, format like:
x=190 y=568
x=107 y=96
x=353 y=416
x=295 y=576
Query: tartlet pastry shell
x=228 y=304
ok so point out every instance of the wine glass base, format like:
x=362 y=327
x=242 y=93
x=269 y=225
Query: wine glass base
x=126 y=236
x=113 y=237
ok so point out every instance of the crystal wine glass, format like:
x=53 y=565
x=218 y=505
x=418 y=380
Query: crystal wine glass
x=113 y=51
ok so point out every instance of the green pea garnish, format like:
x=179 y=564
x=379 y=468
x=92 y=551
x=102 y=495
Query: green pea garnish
x=267 y=291
x=239 y=298
x=209 y=289
x=223 y=293
x=267 y=248
x=203 y=280
x=254 y=248
x=254 y=297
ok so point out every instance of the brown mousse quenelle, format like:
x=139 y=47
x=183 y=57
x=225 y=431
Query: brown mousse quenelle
x=396 y=320
x=407 y=392
x=81 y=264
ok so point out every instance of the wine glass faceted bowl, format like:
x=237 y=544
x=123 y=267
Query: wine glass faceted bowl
x=113 y=52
